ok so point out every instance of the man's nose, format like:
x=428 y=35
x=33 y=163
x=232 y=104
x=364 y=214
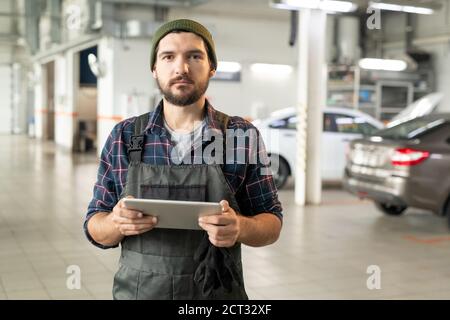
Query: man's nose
x=181 y=66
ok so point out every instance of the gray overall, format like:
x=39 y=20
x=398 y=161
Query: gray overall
x=160 y=264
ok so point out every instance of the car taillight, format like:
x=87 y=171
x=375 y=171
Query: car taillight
x=408 y=157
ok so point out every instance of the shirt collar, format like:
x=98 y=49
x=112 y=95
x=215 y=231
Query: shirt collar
x=156 y=122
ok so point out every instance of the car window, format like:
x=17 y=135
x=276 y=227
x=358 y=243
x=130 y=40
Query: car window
x=329 y=125
x=278 y=124
x=332 y=122
x=286 y=123
x=292 y=122
x=353 y=125
x=411 y=129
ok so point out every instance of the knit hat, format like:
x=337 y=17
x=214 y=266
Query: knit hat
x=188 y=26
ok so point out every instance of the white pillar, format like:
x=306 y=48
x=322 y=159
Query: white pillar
x=311 y=100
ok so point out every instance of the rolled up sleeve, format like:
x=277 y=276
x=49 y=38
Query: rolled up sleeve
x=258 y=194
x=104 y=194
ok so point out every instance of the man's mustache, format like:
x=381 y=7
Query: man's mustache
x=178 y=79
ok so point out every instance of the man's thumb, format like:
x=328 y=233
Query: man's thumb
x=121 y=201
x=225 y=205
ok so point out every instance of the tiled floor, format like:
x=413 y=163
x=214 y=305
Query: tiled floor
x=323 y=252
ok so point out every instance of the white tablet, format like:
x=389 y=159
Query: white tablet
x=174 y=214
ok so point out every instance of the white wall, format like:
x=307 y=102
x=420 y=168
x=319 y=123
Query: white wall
x=127 y=72
x=5 y=98
x=40 y=99
x=65 y=85
x=249 y=40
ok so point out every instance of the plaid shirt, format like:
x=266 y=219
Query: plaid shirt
x=254 y=191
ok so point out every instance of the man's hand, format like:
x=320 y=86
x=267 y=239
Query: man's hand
x=131 y=222
x=223 y=229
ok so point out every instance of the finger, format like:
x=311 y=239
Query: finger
x=217 y=237
x=217 y=219
x=220 y=230
x=220 y=243
x=144 y=220
x=121 y=201
x=225 y=205
x=136 y=227
x=135 y=232
x=219 y=233
x=130 y=214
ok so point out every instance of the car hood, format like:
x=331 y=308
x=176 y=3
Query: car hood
x=419 y=108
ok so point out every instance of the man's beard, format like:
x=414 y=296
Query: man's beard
x=183 y=99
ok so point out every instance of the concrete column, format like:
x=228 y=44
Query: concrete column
x=311 y=100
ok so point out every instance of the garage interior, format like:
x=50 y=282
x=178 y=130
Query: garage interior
x=72 y=69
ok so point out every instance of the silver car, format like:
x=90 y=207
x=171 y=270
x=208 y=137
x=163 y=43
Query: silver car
x=407 y=165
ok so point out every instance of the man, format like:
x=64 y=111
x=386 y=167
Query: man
x=141 y=159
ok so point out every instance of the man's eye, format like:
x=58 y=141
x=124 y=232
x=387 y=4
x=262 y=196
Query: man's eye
x=196 y=56
x=168 y=57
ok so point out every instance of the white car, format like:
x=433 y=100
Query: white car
x=340 y=126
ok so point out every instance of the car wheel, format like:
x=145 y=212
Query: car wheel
x=280 y=170
x=390 y=209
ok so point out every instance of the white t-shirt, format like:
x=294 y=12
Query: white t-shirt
x=184 y=141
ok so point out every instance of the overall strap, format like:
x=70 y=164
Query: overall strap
x=223 y=119
x=136 y=144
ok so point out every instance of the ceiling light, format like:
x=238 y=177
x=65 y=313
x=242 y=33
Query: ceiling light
x=226 y=66
x=383 y=64
x=277 y=70
x=325 y=5
x=396 y=7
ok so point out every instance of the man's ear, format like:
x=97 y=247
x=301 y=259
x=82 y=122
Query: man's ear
x=212 y=72
x=154 y=73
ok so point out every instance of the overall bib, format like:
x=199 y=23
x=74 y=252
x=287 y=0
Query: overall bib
x=160 y=264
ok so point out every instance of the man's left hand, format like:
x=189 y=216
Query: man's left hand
x=223 y=229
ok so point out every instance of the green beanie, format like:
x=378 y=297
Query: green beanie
x=188 y=26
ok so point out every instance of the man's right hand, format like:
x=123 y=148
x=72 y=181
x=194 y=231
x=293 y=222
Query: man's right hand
x=131 y=222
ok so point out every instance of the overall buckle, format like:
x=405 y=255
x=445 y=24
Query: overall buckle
x=137 y=143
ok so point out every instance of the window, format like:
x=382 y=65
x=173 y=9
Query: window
x=353 y=125
x=278 y=124
x=291 y=122
x=332 y=122
x=286 y=123
x=329 y=124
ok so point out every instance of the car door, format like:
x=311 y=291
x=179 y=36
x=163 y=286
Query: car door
x=330 y=149
x=286 y=135
x=338 y=130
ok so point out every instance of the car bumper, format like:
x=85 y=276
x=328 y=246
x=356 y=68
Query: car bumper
x=391 y=190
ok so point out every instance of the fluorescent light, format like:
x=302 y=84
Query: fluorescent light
x=386 y=6
x=275 y=70
x=326 y=5
x=418 y=10
x=383 y=64
x=338 y=6
x=226 y=66
x=311 y=4
x=396 y=7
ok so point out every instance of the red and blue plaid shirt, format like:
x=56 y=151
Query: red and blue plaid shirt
x=255 y=192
